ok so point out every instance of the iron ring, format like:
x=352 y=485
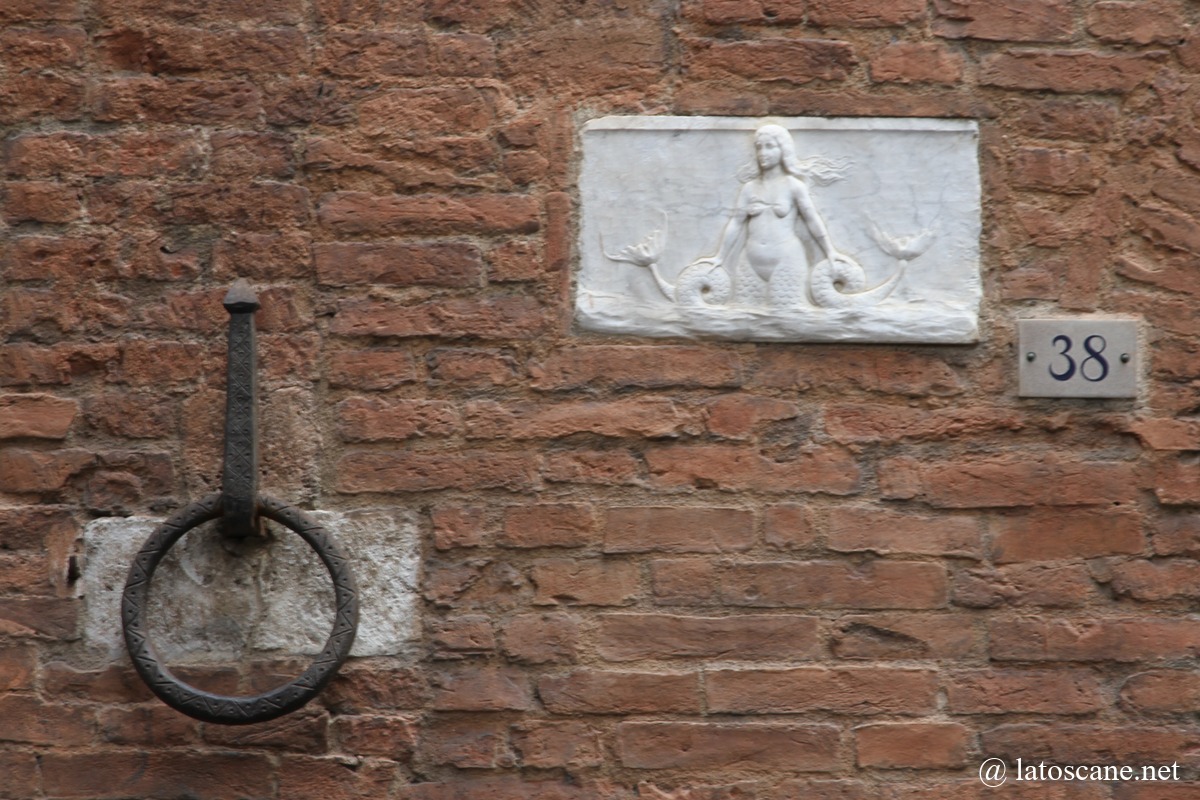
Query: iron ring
x=222 y=709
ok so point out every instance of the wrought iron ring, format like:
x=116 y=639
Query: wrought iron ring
x=219 y=708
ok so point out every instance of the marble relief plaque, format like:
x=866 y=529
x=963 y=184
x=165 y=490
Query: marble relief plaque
x=782 y=229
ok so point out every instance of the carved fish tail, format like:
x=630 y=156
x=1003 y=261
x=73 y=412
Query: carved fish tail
x=839 y=284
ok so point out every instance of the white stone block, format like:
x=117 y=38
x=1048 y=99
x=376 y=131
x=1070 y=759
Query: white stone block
x=792 y=229
x=269 y=599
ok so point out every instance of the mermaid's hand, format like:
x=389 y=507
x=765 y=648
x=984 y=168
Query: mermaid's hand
x=711 y=263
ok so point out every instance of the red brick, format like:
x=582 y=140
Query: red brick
x=547 y=745
x=49 y=617
x=459 y=526
x=263 y=256
x=717 y=99
x=32 y=49
x=474 y=368
x=258 y=206
x=468 y=635
x=906 y=636
x=359 y=212
x=642 y=529
x=245 y=154
x=360 y=472
x=30 y=721
x=912 y=745
x=176 y=101
x=604 y=467
x=649 y=417
x=829 y=469
x=111 y=685
x=548 y=525
x=154 y=363
x=127 y=154
x=182 y=50
x=853 y=423
x=1171 y=535
x=1175 y=482
x=218 y=11
x=588 y=691
x=40 y=11
x=1047 y=535
x=684 y=582
x=863 y=13
x=508 y=786
x=893 y=372
x=391 y=737
x=306 y=778
x=1156 y=580
x=503 y=317
x=1051 y=585
x=105 y=775
x=37 y=416
x=796 y=61
x=516 y=260
x=1080 y=120
x=472 y=743
x=712 y=745
x=477 y=583
x=1137 y=23
x=1020 y=691
x=789 y=527
x=42 y=470
x=1009 y=481
x=1005 y=20
x=34 y=258
x=588 y=582
x=856 y=690
x=549 y=638
x=1068 y=70
x=20 y=771
x=369 y=419
x=353 y=53
x=739 y=416
x=1087 y=744
x=373 y=687
x=887 y=532
x=1164 y=691
x=642 y=367
x=384 y=368
x=1121 y=639
x=17 y=666
x=157 y=726
x=917 y=62
x=723 y=12
x=1051 y=170
x=398 y=264
x=41 y=201
x=634 y=637
x=481 y=689
x=131 y=415
x=831 y=584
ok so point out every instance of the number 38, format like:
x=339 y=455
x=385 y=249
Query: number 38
x=1093 y=368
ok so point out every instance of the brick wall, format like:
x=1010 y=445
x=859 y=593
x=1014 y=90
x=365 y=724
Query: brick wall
x=676 y=570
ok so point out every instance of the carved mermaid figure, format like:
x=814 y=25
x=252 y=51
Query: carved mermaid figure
x=776 y=228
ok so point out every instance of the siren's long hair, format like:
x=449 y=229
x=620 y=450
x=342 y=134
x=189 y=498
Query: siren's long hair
x=820 y=170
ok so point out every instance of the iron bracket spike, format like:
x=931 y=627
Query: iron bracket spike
x=239 y=474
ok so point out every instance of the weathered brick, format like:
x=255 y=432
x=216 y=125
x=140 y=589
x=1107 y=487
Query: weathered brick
x=1018 y=691
x=259 y=206
x=382 y=368
x=855 y=690
x=887 y=532
x=548 y=525
x=40 y=11
x=1162 y=691
x=1080 y=120
x=471 y=743
x=641 y=529
x=369 y=419
x=633 y=637
x=649 y=417
x=1093 y=744
x=263 y=256
x=547 y=745
x=906 y=636
x=1005 y=20
x=1156 y=580
x=604 y=467
x=459 y=526
x=862 y=13
x=187 y=101
x=167 y=50
x=917 y=62
x=505 y=317
x=36 y=416
x=468 y=635
x=473 y=368
x=587 y=582
x=359 y=212
x=42 y=470
x=1051 y=170
x=789 y=527
x=641 y=367
x=1037 y=584
x=796 y=61
x=894 y=372
x=113 y=774
x=549 y=638
x=481 y=689
x=588 y=691
x=832 y=584
x=684 y=582
x=422 y=471
x=1137 y=23
x=1009 y=481
x=1047 y=535
x=34 y=722
x=377 y=735
x=49 y=617
x=156 y=726
x=398 y=264
x=739 y=416
x=1068 y=70
x=41 y=201
x=912 y=745
x=830 y=470
x=709 y=745
x=1120 y=639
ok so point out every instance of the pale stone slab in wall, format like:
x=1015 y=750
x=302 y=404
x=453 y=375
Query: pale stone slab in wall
x=270 y=600
x=897 y=201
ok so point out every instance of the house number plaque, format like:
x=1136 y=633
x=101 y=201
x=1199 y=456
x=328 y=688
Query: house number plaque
x=1090 y=358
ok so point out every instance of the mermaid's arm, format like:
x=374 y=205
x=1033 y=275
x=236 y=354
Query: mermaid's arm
x=812 y=219
x=733 y=236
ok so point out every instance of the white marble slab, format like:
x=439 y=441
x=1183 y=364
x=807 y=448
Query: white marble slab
x=710 y=227
x=276 y=599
